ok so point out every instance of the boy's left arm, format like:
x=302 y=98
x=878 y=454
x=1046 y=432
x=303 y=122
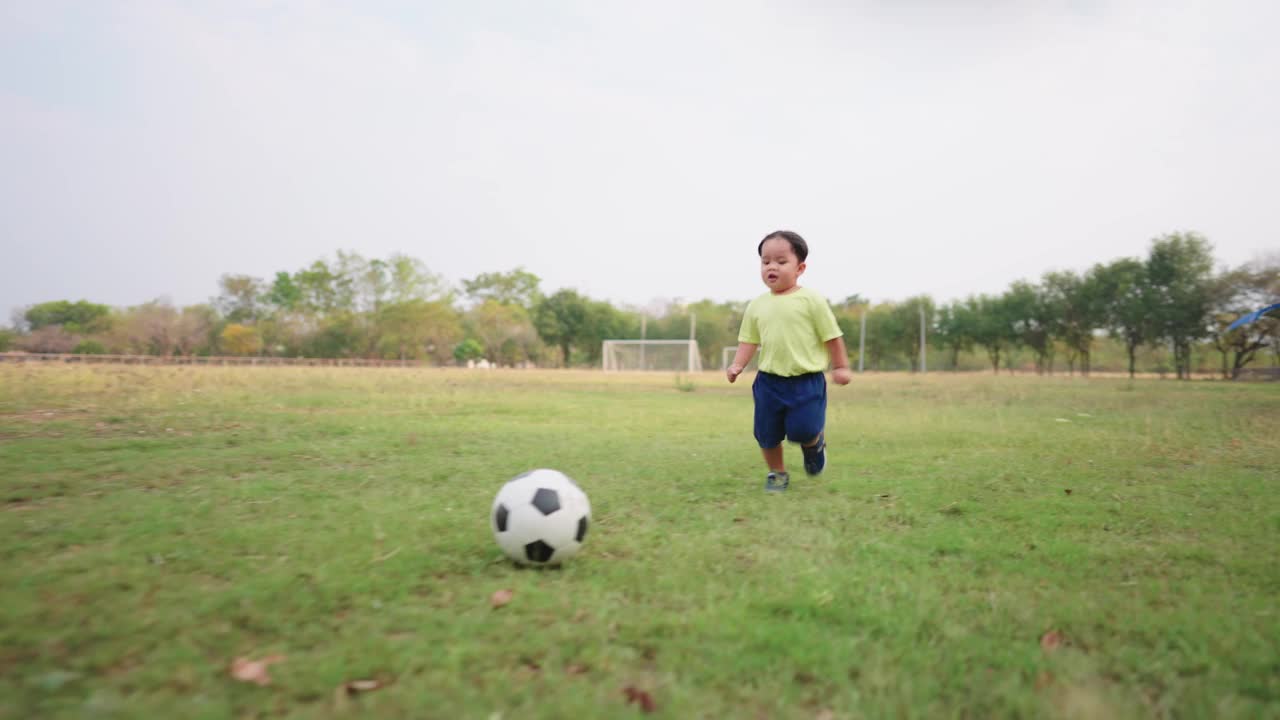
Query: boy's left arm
x=840 y=373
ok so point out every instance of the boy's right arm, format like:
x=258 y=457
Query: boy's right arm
x=746 y=351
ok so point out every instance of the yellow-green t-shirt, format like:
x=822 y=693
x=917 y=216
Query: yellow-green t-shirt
x=792 y=331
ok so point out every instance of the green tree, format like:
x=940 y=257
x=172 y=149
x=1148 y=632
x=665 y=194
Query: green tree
x=399 y=279
x=1034 y=320
x=419 y=329
x=848 y=314
x=338 y=334
x=601 y=322
x=504 y=331
x=77 y=318
x=517 y=287
x=285 y=333
x=469 y=349
x=1180 y=276
x=904 y=331
x=1078 y=311
x=885 y=332
x=284 y=293
x=320 y=289
x=1123 y=287
x=993 y=328
x=560 y=320
x=409 y=279
x=955 y=329
x=568 y=320
x=715 y=326
x=373 y=284
x=242 y=298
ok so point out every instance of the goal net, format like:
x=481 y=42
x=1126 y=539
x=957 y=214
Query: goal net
x=669 y=355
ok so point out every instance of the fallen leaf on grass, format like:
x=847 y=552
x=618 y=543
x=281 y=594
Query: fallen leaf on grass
x=1051 y=641
x=254 y=671
x=343 y=693
x=501 y=597
x=825 y=714
x=1067 y=490
x=575 y=669
x=640 y=697
x=355 y=687
x=1044 y=680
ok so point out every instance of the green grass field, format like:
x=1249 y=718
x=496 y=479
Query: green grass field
x=978 y=547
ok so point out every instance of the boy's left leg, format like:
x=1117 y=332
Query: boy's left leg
x=815 y=454
x=806 y=419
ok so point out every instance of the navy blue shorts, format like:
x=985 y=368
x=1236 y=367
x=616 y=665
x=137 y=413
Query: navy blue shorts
x=790 y=407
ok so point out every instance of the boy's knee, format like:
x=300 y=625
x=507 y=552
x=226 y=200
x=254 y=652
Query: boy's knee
x=769 y=435
x=804 y=437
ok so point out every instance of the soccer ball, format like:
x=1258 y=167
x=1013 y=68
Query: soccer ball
x=540 y=517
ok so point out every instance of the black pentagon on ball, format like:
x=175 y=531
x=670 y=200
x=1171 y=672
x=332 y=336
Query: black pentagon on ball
x=582 y=528
x=546 y=500
x=538 y=551
x=500 y=517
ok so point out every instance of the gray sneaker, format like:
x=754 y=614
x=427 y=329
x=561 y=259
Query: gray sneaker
x=777 y=481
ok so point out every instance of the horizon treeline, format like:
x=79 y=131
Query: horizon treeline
x=1166 y=312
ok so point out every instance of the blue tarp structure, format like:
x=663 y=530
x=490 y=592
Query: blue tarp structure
x=1251 y=317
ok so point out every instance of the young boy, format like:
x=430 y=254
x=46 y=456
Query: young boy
x=797 y=334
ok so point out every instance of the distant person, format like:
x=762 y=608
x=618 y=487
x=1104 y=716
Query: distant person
x=797 y=335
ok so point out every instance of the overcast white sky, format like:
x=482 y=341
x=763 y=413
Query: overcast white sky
x=630 y=150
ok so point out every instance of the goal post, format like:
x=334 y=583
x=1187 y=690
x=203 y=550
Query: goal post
x=661 y=355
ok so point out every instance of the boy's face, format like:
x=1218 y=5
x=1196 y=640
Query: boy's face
x=779 y=267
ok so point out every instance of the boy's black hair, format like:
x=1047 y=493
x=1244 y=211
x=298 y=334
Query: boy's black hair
x=798 y=244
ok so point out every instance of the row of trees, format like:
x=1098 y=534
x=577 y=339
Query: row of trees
x=1172 y=300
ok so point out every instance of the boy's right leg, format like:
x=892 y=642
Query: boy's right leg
x=773 y=458
x=777 y=479
x=770 y=430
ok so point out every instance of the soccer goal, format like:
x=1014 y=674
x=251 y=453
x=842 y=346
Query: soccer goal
x=668 y=355
x=726 y=357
